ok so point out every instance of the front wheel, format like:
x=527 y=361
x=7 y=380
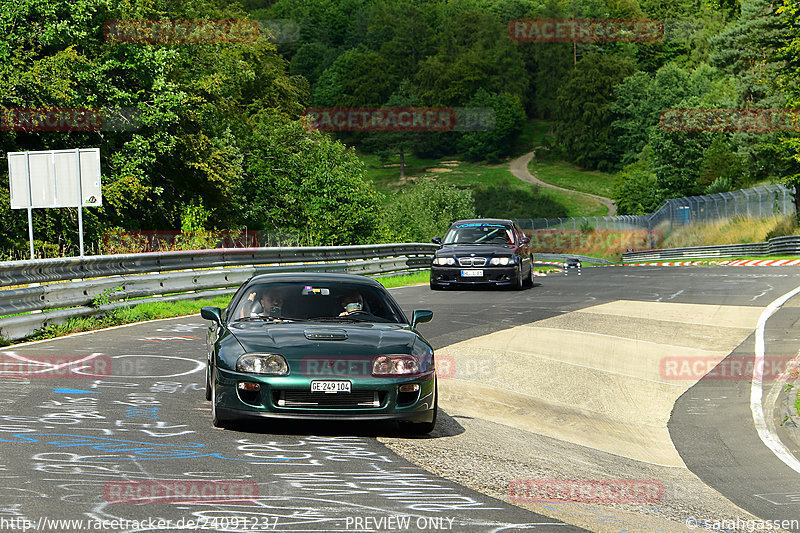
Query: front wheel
x=216 y=419
x=208 y=381
x=529 y=277
x=519 y=282
x=423 y=428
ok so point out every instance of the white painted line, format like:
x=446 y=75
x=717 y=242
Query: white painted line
x=769 y=439
x=82 y=333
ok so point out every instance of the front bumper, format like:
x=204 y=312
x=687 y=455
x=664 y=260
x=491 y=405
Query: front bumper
x=490 y=275
x=289 y=397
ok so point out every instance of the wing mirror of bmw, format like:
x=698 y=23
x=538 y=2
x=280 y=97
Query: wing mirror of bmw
x=437 y=240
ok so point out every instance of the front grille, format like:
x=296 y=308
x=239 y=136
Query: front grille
x=472 y=261
x=356 y=399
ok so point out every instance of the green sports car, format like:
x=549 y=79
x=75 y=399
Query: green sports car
x=319 y=346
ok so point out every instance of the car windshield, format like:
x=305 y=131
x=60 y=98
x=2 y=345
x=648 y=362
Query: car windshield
x=480 y=234
x=315 y=301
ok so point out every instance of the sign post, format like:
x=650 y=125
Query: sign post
x=55 y=178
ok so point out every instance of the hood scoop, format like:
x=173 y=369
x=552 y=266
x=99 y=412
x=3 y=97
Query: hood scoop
x=325 y=335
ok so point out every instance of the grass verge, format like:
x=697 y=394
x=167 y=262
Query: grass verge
x=797 y=402
x=717 y=261
x=127 y=315
x=403 y=280
x=156 y=310
x=496 y=191
x=568 y=176
x=576 y=204
x=737 y=230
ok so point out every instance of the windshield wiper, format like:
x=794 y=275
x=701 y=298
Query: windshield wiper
x=266 y=318
x=335 y=319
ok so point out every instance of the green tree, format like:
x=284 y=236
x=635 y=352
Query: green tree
x=473 y=52
x=496 y=142
x=307 y=182
x=584 y=117
x=787 y=146
x=636 y=188
x=425 y=210
x=357 y=78
x=720 y=162
x=387 y=144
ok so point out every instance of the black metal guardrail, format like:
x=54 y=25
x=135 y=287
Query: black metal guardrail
x=45 y=292
x=789 y=245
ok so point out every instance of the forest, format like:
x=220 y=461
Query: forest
x=222 y=138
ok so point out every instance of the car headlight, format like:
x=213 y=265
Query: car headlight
x=394 y=365
x=500 y=260
x=262 y=363
x=444 y=261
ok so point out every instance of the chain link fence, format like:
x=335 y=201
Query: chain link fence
x=757 y=202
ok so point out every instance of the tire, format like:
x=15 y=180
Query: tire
x=529 y=277
x=216 y=419
x=423 y=428
x=208 y=381
x=519 y=282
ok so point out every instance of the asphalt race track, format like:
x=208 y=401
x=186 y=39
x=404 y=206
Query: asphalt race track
x=88 y=444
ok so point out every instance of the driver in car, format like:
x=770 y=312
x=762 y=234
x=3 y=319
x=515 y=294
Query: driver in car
x=352 y=302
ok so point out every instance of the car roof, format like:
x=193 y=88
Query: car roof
x=503 y=221
x=314 y=277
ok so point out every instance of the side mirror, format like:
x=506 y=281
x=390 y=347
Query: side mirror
x=526 y=240
x=419 y=316
x=212 y=313
x=437 y=240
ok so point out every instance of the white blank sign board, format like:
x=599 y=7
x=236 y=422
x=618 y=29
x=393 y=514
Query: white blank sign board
x=54 y=178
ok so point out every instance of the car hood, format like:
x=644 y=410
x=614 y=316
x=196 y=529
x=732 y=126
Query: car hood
x=483 y=250
x=302 y=339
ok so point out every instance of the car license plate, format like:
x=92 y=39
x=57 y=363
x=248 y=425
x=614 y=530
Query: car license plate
x=330 y=386
x=472 y=273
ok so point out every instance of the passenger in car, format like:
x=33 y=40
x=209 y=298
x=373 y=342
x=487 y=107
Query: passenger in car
x=267 y=304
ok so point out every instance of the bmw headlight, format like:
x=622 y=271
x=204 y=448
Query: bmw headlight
x=444 y=261
x=262 y=363
x=501 y=261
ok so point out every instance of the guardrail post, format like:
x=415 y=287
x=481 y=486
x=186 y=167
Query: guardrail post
x=759 y=203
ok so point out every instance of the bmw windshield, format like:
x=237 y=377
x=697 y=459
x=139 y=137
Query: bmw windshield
x=480 y=234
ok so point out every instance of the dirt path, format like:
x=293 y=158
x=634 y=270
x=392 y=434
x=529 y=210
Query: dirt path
x=519 y=167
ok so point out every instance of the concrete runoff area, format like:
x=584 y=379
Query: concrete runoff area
x=562 y=378
x=593 y=381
